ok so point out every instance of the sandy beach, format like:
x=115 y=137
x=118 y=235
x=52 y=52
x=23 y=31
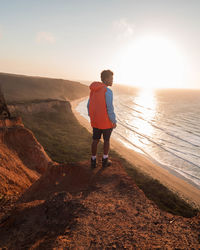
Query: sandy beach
x=184 y=189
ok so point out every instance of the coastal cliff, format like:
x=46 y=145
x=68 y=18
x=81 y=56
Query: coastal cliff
x=67 y=205
x=35 y=106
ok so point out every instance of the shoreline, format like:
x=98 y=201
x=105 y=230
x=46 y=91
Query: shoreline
x=176 y=184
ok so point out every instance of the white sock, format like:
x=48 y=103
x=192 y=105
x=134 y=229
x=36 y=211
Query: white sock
x=93 y=157
x=105 y=156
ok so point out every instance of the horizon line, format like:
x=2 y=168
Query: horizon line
x=78 y=80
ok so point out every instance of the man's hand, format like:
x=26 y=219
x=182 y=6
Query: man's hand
x=114 y=125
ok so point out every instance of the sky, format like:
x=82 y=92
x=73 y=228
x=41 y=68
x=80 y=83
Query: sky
x=147 y=43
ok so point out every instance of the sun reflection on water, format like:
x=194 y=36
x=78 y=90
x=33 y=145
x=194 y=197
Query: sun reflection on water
x=145 y=105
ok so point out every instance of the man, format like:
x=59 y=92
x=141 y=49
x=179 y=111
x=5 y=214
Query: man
x=102 y=116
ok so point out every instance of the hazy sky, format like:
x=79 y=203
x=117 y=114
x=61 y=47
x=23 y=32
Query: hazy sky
x=77 y=39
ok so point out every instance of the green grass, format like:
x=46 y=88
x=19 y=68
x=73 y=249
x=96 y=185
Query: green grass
x=23 y=88
x=65 y=140
x=164 y=198
x=62 y=137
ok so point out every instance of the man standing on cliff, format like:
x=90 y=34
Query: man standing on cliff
x=102 y=116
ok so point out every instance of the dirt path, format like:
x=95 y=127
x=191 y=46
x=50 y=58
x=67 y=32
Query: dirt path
x=74 y=207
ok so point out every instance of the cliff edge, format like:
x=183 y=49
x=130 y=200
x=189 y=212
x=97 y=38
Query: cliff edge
x=70 y=206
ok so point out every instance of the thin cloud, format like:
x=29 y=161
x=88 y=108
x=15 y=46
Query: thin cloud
x=123 y=28
x=45 y=37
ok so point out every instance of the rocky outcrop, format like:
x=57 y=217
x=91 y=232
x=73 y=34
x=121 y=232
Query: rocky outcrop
x=11 y=122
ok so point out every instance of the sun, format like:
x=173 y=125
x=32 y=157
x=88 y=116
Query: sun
x=150 y=62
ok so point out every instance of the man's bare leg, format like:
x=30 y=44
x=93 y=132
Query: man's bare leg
x=105 y=161
x=106 y=147
x=94 y=147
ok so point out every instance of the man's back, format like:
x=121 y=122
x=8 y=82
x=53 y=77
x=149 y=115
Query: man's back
x=102 y=116
x=100 y=107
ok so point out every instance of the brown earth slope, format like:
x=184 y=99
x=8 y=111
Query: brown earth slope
x=22 y=160
x=70 y=206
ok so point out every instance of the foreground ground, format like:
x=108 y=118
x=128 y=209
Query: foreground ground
x=66 y=205
x=74 y=207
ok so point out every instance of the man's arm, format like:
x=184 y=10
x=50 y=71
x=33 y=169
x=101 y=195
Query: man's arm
x=88 y=106
x=109 y=105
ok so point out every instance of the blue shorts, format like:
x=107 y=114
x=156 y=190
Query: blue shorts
x=98 y=132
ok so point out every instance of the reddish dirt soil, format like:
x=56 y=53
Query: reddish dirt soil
x=22 y=161
x=47 y=205
x=75 y=207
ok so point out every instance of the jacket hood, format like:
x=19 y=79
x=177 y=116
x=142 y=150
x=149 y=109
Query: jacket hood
x=95 y=86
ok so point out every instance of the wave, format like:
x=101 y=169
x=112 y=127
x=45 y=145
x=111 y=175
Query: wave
x=186 y=174
x=164 y=130
x=159 y=145
x=179 y=123
x=190 y=154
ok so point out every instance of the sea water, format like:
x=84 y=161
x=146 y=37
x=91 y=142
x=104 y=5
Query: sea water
x=164 y=125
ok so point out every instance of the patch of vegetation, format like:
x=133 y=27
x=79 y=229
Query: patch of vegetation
x=31 y=101
x=65 y=140
x=62 y=137
x=164 y=198
x=23 y=88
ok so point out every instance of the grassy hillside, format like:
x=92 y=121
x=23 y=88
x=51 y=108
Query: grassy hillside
x=18 y=87
x=61 y=135
x=65 y=140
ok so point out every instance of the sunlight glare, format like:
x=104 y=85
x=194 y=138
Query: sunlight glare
x=146 y=104
x=150 y=62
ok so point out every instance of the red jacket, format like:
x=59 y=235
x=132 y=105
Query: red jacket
x=97 y=106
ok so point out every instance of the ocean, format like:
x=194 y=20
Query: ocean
x=163 y=125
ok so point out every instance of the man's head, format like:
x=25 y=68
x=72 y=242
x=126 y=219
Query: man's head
x=107 y=77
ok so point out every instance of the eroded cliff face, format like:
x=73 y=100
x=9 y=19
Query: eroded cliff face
x=22 y=157
x=38 y=106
